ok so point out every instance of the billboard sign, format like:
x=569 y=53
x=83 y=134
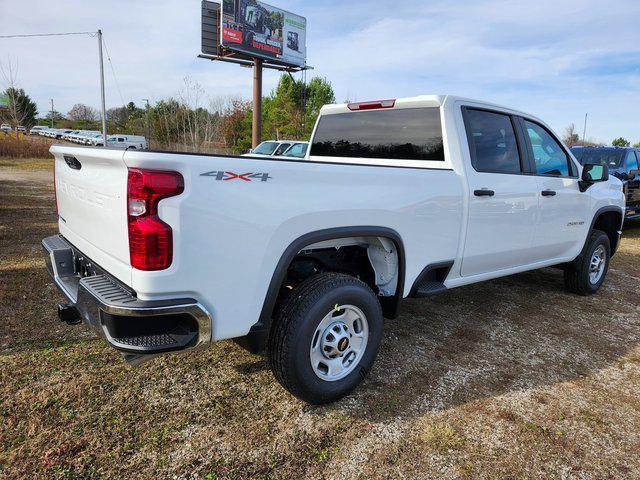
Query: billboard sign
x=210 y=27
x=260 y=30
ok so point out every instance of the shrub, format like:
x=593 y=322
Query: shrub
x=25 y=147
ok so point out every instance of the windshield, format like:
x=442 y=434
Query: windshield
x=297 y=150
x=266 y=148
x=610 y=156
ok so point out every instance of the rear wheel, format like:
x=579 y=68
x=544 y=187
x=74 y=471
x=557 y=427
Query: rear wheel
x=586 y=275
x=325 y=337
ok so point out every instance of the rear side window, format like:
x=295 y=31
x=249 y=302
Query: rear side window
x=550 y=158
x=492 y=141
x=402 y=134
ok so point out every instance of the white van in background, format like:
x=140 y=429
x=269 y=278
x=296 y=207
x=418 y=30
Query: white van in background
x=132 y=142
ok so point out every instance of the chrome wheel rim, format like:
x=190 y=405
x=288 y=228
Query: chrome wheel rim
x=597 y=264
x=339 y=342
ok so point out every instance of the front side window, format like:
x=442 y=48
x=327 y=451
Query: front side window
x=298 y=150
x=550 y=158
x=396 y=134
x=492 y=141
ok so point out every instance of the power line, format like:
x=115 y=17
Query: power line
x=113 y=71
x=91 y=34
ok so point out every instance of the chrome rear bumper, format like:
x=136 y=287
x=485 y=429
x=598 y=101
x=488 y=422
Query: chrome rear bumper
x=134 y=327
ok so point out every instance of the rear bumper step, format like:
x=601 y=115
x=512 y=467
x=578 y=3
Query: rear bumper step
x=130 y=325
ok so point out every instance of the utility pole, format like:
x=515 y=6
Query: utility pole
x=52 y=113
x=148 y=124
x=104 y=109
x=257 y=102
x=584 y=131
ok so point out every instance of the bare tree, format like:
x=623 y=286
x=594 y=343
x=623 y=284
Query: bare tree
x=570 y=136
x=81 y=112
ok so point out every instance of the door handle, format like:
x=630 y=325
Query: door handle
x=548 y=193
x=484 y=193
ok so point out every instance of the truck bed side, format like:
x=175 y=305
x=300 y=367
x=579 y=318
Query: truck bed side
x=238 y=215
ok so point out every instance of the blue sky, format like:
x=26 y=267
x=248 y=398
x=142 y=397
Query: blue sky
x=555 y=59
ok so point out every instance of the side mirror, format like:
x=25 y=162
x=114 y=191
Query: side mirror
x=592 y=173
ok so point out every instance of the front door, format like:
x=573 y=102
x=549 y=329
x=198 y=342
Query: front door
x=503 y=201
x=564 y=209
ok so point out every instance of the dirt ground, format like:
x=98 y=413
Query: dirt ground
x=512 y=378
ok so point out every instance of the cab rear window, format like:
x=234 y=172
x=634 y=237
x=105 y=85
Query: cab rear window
x=398 y=134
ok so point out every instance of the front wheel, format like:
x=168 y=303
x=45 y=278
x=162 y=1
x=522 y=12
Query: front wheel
x=325 y=337
x=586 y=274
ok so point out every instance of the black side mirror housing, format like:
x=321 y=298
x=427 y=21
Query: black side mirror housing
x=592 y=173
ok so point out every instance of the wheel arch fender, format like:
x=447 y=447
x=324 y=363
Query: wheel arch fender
x=256 y=338
x=606 y=218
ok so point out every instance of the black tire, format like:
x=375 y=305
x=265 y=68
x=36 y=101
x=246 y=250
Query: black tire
x=294 y=328
x=576 y=274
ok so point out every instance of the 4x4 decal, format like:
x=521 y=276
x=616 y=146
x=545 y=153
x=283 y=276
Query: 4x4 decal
x=247 y=177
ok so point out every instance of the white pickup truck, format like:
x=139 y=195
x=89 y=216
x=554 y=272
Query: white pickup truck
x=164 y=252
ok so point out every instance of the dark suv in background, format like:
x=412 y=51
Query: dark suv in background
x=623 y=163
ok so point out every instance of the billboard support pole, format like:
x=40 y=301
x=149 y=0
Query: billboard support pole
x=257 y=102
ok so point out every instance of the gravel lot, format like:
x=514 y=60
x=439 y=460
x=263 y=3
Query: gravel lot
x=512 y=378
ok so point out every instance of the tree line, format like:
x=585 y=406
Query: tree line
x=192 y=120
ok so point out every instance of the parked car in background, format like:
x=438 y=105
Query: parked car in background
x=21 y=129
x=270 y=148
x=297 y=150
x=67 y=135
x=395 y=199
x=6 y=128
x=37 y=129
x=133 y=142
x=623 y=162
x=60 y=134
x=92 y=138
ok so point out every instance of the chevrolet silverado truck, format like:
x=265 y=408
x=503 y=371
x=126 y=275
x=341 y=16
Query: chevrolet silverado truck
x=164 y=252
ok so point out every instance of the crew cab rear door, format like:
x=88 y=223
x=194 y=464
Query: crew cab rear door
x=503 y=201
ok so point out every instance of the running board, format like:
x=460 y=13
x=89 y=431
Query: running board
x=429 y=288
x=431 y=280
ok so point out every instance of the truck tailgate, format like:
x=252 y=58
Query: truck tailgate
x=91 y=189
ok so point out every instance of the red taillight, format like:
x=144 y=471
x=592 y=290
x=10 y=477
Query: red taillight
x=150 y=239
x=372 y=105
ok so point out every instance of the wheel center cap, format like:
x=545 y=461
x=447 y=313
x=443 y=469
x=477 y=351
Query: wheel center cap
x=343 y=344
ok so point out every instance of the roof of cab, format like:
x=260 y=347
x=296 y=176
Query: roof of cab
x=424 y=101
